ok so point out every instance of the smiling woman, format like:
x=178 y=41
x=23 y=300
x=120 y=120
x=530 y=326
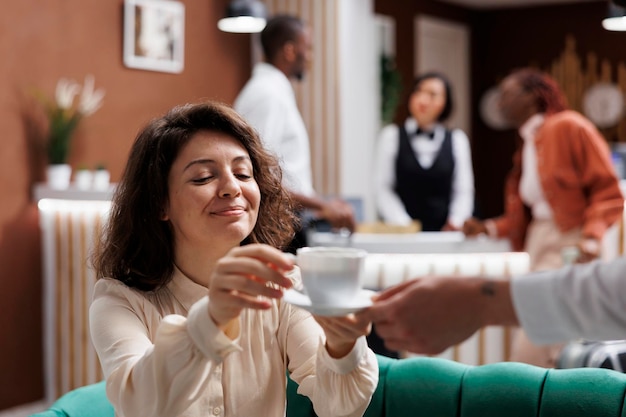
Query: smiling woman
x=192 y=279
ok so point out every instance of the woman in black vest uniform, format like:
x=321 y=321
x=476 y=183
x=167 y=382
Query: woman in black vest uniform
x=424 y=170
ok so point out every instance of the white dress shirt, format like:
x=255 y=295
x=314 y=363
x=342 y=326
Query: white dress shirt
x=268 y=103
x=426 y=150
x=580 y=301
x=162 y=355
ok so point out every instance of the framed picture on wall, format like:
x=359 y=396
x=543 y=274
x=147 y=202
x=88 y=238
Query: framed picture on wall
x=154 y=35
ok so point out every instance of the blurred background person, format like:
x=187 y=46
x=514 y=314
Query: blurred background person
x=424 y=170
x=268 y=103
x=562 y=190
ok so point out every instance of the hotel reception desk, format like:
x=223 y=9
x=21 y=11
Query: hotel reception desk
x=422 y=242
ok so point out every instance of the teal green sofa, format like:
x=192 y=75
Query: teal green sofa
x=432 y=387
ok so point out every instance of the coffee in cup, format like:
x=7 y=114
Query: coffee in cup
x=331 y=276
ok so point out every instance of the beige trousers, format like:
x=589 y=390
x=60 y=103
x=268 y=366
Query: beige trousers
x=544 y=242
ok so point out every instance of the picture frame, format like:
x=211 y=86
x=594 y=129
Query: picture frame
x=154 y=35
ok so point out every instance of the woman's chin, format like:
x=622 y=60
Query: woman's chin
x=236 y=233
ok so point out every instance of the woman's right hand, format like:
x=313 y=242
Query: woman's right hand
x=245 y=278
x=474 y=227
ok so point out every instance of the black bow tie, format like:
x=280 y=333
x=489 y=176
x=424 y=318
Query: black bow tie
x=430 y=134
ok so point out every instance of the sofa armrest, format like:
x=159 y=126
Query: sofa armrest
x=86 y=401
x=49 y=413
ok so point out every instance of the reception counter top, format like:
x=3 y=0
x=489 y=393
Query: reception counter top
x=42 y=190
x=422 y=242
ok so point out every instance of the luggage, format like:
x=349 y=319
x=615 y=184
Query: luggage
x=609 y=354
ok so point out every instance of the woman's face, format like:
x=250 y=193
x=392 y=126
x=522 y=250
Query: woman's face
x=213 y=196
x=428 y=101
x=516 y=104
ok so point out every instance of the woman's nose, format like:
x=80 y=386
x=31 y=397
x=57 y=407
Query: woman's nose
x=229 y=187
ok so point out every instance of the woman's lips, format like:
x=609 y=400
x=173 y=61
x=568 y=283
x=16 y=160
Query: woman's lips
x=230 y=211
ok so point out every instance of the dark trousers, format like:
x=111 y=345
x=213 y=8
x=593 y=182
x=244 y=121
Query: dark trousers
x=378 y=346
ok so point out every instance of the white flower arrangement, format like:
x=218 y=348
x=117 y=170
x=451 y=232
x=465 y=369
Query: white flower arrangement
x=64 y=113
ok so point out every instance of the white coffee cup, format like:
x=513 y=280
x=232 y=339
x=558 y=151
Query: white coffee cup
x=331 y=276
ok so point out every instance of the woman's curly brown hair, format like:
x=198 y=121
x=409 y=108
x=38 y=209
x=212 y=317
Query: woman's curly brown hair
x=136 y=245
x=548 y=96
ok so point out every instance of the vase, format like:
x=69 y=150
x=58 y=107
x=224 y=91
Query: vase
x=101 y=179
x=59 y=176
x=83 y=179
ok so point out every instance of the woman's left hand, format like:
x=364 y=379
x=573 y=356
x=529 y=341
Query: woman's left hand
x=342 y=332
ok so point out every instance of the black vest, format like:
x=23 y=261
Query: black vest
x=425 y=193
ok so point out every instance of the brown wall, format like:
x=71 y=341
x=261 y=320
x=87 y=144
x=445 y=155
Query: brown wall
x=501 y=41
x=40 y=42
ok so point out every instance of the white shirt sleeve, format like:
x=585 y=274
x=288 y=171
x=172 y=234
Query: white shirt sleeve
x=336 y=387
x=388 y=203
x=139 y=368
x=579 y=301
x=462 y=197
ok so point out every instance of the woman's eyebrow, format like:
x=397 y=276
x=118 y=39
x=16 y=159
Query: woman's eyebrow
x=208 y=161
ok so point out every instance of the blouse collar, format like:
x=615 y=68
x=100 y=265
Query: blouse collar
x=186 y=291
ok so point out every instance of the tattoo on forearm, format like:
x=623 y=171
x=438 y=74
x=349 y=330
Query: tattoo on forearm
x=488 y=288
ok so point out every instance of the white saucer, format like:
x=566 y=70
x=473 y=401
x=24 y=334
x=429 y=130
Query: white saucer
x=298 y=299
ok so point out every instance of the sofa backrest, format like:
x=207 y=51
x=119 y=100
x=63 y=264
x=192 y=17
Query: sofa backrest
x=426 y=387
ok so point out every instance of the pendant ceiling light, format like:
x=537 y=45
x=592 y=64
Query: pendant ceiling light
x=243 y=16
x=615 y=17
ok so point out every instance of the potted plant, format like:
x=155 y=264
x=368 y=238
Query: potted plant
x=390 y=88
x=64 y=114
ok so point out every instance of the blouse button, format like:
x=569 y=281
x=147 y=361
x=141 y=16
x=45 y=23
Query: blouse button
x=217 y=411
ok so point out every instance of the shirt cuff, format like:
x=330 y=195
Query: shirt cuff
x=456 y=222
x=205 y=334
x=349 y=362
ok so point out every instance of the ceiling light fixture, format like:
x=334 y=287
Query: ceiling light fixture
x=615 y=17
x=243 y=16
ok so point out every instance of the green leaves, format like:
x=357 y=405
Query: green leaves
x=62 y=126
x=391 y=88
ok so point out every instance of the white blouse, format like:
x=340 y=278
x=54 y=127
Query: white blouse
x=530 y=189
x=163 y=356
x=389 y=204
